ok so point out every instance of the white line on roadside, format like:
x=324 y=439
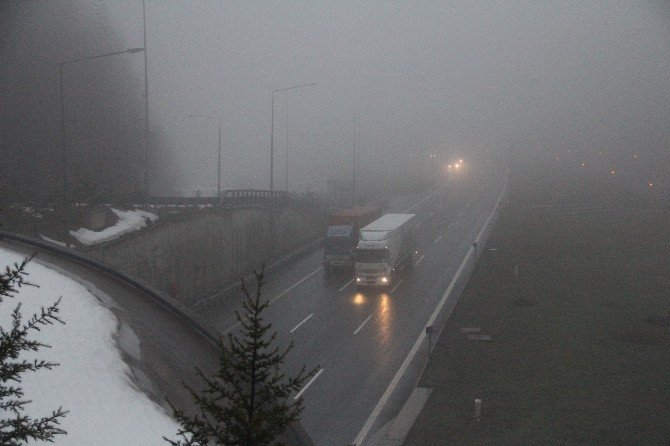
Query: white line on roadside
x=438 y=239
x=420 y=259
x=231 y=328
x=308 y=384
x=401 y=371
x=396 y=285
x=237 y=284
x=361 y=326
x=283 y=293
x=345 y=285
x=303 y=321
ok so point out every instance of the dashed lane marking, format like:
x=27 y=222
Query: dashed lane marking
x=303 y=321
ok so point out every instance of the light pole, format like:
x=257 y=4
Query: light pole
x=272 y=127
x=353 y=168
x=218 y=164
x=147 y=139
x=64 y=173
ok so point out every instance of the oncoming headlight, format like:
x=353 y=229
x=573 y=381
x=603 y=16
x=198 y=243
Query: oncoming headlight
x=385 y=279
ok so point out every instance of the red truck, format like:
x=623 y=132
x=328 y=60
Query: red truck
x=342 y=235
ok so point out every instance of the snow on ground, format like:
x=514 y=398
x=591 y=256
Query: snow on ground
x=92 y=381
x=55 y=242
x=129 y=221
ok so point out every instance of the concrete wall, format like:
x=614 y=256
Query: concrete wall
x=197 y=256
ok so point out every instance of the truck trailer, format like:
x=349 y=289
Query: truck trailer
x=384 y=247
x=342 y=235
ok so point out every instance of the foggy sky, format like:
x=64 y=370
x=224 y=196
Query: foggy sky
x=417 y=78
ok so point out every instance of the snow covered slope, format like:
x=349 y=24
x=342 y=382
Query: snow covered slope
x=92 y=381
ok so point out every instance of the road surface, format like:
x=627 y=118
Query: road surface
x=358 y=340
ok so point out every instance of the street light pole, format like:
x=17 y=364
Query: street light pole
x=147 y=139
x=272 y=141
x=64 y=173
x=218 y=181
x=218 y=165
x=272 y=127
x=353 y=168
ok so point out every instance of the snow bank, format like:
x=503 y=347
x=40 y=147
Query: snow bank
x=92 y=379
x=129 y=221
x=55 y=242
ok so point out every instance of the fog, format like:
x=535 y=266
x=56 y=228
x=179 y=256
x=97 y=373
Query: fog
x=455 y=79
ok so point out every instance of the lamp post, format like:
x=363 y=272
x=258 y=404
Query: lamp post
x=272 y=127
x=353 y=168
x=147 y=139
x=218 y=164
x=64 y=163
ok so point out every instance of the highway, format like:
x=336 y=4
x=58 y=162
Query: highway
x=358 y=340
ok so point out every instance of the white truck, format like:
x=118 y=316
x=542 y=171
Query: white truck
x=384 y=246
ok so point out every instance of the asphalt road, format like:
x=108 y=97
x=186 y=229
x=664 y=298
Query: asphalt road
x=359 y=339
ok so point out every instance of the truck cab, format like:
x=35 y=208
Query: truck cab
x=339 y=246
x=384 y=246
x=341 y=236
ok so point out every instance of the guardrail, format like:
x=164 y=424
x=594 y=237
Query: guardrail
x=231 y=198
x=155 y=295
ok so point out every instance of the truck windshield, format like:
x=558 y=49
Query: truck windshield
x=371 y=255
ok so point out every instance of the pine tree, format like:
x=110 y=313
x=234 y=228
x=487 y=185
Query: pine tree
x=248 y=401
x=16 y=428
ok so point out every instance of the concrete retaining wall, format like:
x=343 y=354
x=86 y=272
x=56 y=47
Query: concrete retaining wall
x=198 y=256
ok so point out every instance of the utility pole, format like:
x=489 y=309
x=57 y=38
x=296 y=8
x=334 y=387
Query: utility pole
x=353 y=168
x=147 y=138
x=272 y=127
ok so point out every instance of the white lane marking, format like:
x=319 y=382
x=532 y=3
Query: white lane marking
x=250 y=277
x=420 y=201
x=361 y=326
x=308 y=384
x=295 y=284
x=396 y=285
x=420 y=259
x=345 y=285
x=303 y=321
x=231 y=328
x=401 y=371
x=438 y=239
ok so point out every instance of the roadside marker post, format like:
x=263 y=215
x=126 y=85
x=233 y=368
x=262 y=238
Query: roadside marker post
x=429 y=332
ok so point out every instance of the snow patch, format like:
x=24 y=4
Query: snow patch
x=129 y=221
x=55 y=242
x=92 y=381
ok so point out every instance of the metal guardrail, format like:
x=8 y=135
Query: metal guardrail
x=231 y=198
x=155 y=295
